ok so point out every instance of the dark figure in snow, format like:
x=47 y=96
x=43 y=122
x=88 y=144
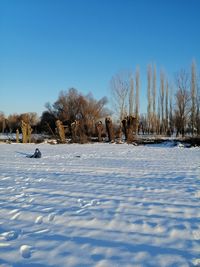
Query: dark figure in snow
x=37 y=154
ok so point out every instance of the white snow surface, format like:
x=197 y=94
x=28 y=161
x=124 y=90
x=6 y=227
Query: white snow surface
x=99 y=205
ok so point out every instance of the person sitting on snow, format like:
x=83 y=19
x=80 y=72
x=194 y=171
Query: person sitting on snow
x=37 y=154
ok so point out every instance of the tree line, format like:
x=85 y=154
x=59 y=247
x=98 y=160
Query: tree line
x=171 y=108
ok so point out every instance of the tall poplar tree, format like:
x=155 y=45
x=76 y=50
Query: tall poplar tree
x=166 y=106
x=162 y=97
x=154 y=100
x=131 y=96
x=193 y=95
x=149 y=77
x=137 y=97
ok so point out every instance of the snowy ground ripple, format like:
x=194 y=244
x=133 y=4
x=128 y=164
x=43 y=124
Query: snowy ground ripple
x=99 y=205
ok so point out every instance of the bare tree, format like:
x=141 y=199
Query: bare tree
x=131 y=96
x=154 y=89
x=154 y=100
x=143 y=123
x=30 y=118
x=67 y=106
x=162 y=97
x=48 y=122
x=13 y=122
x=193 y=96
x=158 y=130
x=182 y=102
x=166 y=106
x=149 y=105
x=94 y=110
x=72 y=107
x=119 y=90
x=137 y=98
x=171 y=122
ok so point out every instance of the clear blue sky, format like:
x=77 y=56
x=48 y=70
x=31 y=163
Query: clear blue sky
x=51 y=45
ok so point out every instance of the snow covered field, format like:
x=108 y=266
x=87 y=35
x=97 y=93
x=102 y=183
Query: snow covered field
x=99 y=205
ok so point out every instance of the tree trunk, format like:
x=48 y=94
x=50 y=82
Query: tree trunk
x=109 y=128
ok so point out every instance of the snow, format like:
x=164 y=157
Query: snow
x=99 y=205
x=25 y=251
